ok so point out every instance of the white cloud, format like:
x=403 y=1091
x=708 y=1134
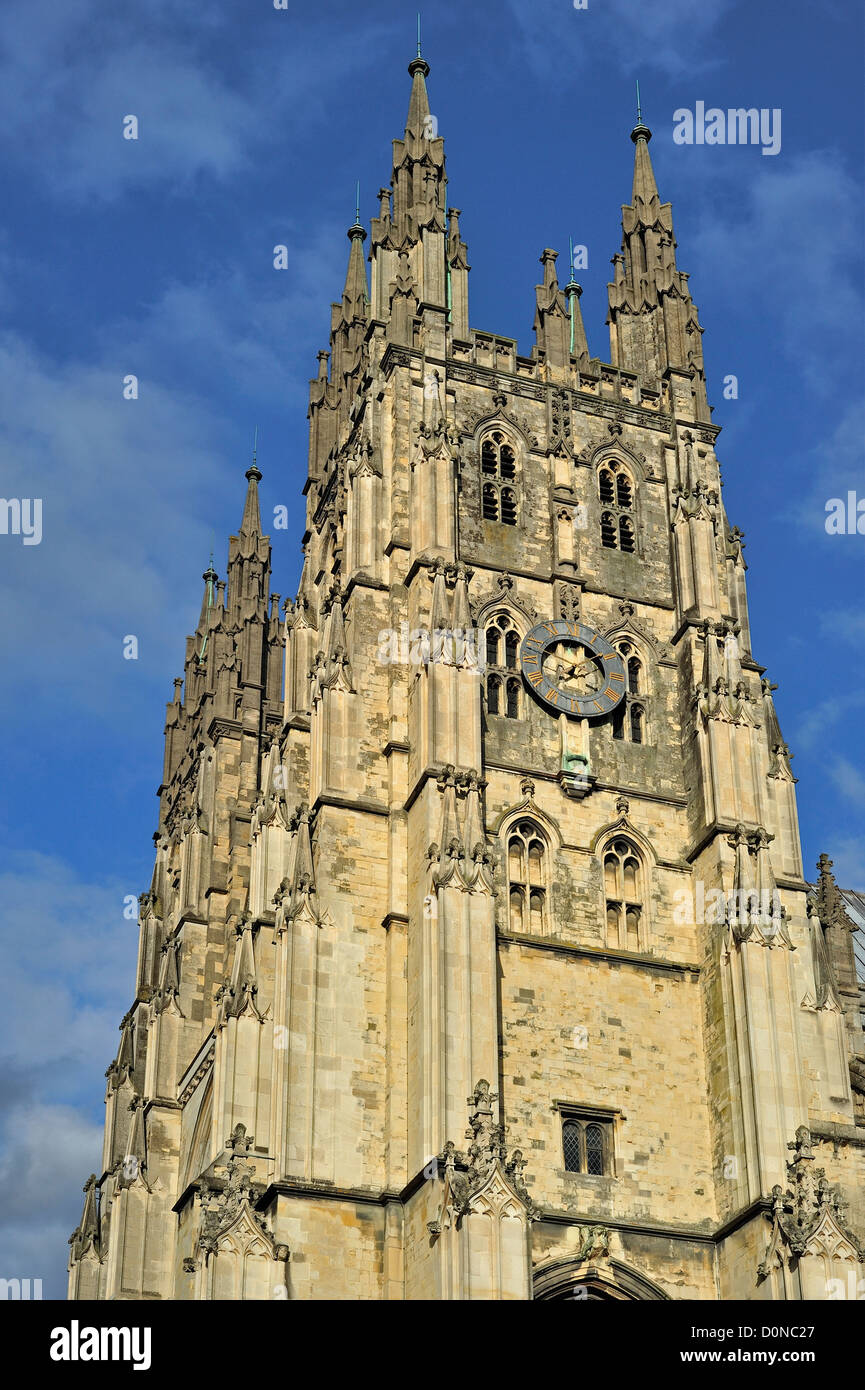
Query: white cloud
x=49 y=1152
x=70 y=73
x=67 y=960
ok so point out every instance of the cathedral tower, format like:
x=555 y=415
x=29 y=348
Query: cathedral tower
x=478 y=959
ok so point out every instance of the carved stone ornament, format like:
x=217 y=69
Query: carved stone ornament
x=484 y=1179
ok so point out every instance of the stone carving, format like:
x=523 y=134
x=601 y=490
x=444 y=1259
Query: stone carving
x=225 y=1203
x=809 y=1217
x=595 y=1243
x=470 y=1175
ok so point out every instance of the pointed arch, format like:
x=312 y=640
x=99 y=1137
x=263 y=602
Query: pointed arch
x=623 y=827
x=528 y=808
x=619 y=452
x=631 y=722
x=618 y=495
x=501 y=454
x=626 y=860
x=529 y=874
x=608 y=1281
x=502 y=635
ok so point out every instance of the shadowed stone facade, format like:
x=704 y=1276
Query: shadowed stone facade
x=443 y=992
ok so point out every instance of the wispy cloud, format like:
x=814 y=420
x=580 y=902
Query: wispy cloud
x=788 y=242
x=69 y=75
x=849 y=780
x=668 y=35
x=135 y=486
x=820 y=722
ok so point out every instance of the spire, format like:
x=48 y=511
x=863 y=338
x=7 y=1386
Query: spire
x=355 y=296
x=653 y=321
x=644 y=190
x=418 y=119
x=552 y=316
x=210 y=577
x=578 y=346
x=348 y=321
x=250 y=526
x=249 y=557
x=418 y=175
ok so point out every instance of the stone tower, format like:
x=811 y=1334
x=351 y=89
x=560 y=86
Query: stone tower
x=478 y=960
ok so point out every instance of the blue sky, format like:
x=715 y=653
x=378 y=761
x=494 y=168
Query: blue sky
x=155 y=257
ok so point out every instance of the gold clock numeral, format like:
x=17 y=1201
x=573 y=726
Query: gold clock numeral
x=554 y=696
x=535 y=677
x=611 y=694
x=615 y=676
x=597 y=704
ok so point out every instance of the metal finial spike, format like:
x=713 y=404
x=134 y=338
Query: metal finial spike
x=639 y=112
x=255 y=447
x=357 y=204
x=418 y=34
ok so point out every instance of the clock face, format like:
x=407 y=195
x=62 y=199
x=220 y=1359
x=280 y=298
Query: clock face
x=573 y=669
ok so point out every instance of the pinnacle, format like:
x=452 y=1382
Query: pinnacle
x=418 y=118
x=355 y=294
x=251 y=523
x=644 y=189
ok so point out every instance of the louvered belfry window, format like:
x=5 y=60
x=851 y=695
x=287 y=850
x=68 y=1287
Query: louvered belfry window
x=499 y=500
x=616 y=495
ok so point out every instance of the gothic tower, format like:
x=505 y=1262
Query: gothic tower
x=478 y=959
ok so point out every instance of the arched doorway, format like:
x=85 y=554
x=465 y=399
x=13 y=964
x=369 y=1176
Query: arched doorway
x=579 y=1281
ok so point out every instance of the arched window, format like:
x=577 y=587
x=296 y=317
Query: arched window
x=594 y=1150
x=499 y=469
x=616 y=491
x=636 y=723
x=629 y=718
x=623 y=893
x=494 y=694
x=504 y=688
x=528 y=859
